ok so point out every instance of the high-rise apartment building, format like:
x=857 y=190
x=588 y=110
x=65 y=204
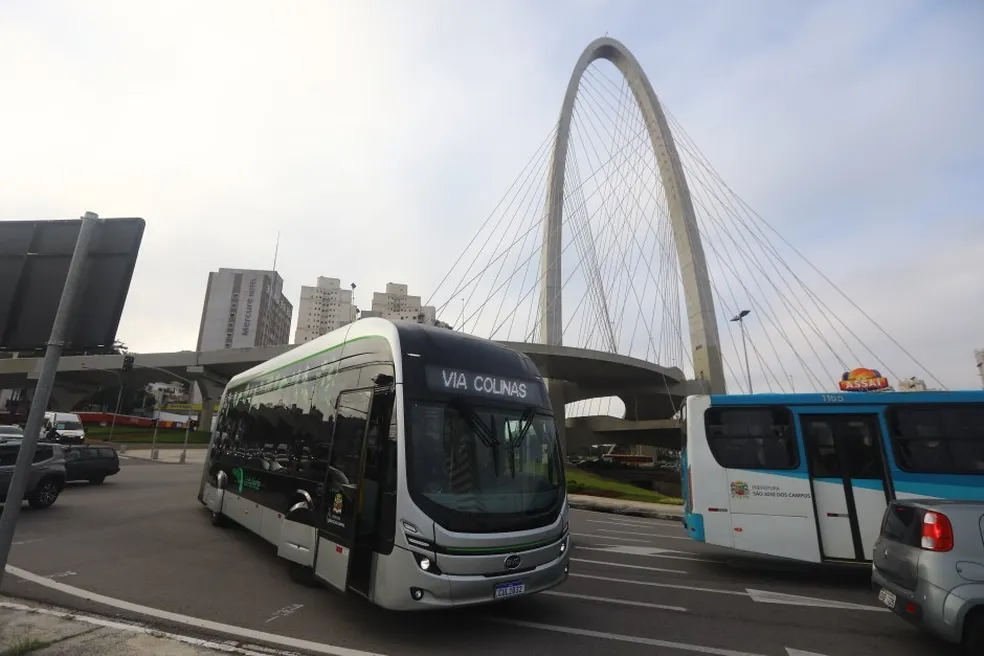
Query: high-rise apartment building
x=322 y=309
x=243 y=308
x=396 y=304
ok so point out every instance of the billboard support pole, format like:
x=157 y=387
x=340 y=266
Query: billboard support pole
x=42 y=393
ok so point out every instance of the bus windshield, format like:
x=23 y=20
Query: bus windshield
x=469 y=466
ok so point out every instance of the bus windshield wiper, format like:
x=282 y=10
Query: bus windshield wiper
x=517 y=441
x=528 y=413
x=481 y=430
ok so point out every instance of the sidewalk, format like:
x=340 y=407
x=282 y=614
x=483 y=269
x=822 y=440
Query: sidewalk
x=625 y=507
x=46 y=631
x=169 y=456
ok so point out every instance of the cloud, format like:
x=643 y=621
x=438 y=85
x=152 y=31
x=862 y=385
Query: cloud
x=376 y=137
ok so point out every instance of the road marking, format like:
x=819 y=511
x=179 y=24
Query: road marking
x=651 y=552
x=650 y=642
x=187 y=620
x=799 y=652
x=62 y=575
x=651 y=535
x=609 y=600
x=28 y=541
x=768 y=597
x=760 y=596
x=643 y=567
x=655 y=523
x=285 y=611
x=654 y=584
x=607 y=537
x=139 y=628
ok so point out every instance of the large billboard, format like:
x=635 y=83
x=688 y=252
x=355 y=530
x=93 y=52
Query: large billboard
x=34 y=260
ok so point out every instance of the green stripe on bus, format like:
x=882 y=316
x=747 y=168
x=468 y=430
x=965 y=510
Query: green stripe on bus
x=511 y=548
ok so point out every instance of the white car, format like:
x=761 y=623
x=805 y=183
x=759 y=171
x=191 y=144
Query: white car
x=68 y=428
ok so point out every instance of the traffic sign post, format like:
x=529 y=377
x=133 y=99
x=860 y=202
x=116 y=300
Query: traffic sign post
x=42 y=393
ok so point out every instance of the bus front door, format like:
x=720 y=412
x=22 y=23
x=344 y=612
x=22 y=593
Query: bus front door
x=342 y=489
x=847 y=474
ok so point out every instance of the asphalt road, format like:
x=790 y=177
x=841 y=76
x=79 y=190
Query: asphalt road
x=637 y=586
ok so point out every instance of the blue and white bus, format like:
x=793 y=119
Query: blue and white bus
x=808 y=476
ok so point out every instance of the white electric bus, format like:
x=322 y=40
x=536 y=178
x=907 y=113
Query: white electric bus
x=808 y=476
x=415 y=466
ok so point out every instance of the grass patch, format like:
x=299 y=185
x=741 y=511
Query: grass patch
x=582 y=482
x=25 y=646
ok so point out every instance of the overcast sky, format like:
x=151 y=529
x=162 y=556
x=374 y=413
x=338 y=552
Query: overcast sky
x=376 y=136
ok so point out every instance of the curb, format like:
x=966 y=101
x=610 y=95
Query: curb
x=96 y=621
x=630 y=511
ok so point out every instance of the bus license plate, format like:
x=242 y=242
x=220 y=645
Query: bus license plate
x=509 y=589
x=887 y=598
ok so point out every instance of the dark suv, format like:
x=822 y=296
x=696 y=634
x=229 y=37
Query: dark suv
x=90 y=463
x=47 y=475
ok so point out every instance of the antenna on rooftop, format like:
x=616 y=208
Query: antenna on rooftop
x=276 y=251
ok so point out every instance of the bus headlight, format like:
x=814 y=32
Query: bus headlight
x=427 y=564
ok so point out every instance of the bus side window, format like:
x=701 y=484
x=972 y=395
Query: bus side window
x=939 y=439
x=752 y=438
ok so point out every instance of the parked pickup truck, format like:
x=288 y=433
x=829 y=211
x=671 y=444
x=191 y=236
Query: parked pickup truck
x=90 y=463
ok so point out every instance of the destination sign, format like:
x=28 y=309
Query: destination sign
x=459 y=381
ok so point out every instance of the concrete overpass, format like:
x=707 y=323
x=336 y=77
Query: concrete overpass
x=652 y=394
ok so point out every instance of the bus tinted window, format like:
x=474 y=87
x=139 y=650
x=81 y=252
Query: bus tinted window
x=942 y=439
x=752 y=438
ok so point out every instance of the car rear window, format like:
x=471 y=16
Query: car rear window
x=107 y=453
x=903 y=524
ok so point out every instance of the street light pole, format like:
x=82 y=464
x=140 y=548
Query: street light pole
x=184 y=450
x=740 y=319
x=157 y=421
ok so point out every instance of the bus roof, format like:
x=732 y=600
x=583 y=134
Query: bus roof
x=370 y=327
x=850 y=398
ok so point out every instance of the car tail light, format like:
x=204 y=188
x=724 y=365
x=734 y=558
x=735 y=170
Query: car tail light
x=937 y=532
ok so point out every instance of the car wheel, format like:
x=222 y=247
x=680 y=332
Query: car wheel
x=97 y=480
x=218 y=519
x=973 y=632
x=44 y=495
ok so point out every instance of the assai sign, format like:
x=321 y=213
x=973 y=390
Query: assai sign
x=460 y=381
x=862 y=379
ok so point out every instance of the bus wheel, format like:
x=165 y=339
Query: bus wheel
x=218 y=519
x=301 y=574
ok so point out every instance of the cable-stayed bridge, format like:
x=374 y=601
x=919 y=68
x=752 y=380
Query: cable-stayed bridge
x=618 y=238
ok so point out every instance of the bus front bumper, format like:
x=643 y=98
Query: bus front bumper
x=402 y=585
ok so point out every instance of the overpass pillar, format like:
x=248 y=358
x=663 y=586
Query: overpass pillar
x=210 y=393
x=555 y=390
x=65 y=400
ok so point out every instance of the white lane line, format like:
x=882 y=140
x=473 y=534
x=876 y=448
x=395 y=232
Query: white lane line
x=654 y=584
x=187 y=620
x=650 y=535
x=654 y=524
x=608 y=537
x=759 y=596
x=609 y=600
x=649 y=642
x=649 y=552
x=626 y=565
